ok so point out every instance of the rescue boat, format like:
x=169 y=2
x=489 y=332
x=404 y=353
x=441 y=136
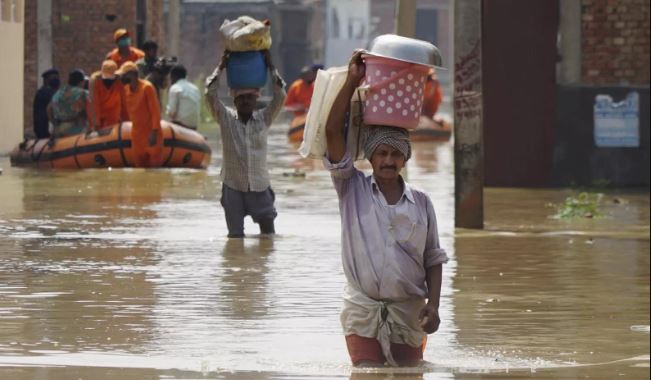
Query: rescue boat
x=431 y=130
x=111 y=147
x=296 y=128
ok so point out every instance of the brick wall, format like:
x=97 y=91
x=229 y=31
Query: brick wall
x=31 y=77
x=155 y=24
x=615 y=42
x=81 y=37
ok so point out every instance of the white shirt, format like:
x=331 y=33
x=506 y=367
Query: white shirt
x=183 y=103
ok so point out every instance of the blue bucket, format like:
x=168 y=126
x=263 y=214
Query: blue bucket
x=246 y=69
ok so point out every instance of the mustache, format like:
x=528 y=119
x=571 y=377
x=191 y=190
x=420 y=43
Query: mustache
x=393 y=167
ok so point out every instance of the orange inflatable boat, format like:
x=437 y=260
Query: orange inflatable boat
x=431 y=130
x=111 y=147
x=296 y=128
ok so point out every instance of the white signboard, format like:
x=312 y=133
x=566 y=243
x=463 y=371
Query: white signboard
x=347 y=29
x=617 y=125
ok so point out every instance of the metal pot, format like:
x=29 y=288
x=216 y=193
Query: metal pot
x=406 y=49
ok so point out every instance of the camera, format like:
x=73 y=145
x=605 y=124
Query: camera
x=163 y=64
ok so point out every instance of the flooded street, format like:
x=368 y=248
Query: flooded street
x=128 y=274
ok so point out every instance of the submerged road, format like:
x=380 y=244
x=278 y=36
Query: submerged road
x=128 y=274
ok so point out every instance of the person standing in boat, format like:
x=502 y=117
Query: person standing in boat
x=183 y=100
x=299 y=95
x=144 y=112
x=107 y=98
x=124 y=52
x=432 y=95
x=149 y=67
x=390 y=247
x=51 y=83
x=246 y=188
x=67 y=110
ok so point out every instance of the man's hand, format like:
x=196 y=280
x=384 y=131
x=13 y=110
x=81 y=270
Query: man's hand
x=224 y=60
x=429 y=318
x=356 y=68
x=153 y=135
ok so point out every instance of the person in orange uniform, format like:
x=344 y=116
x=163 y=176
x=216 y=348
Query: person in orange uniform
x=144 y=111
x=299 y=94
x=299 y=97
x=107 y=98
x=433 y=96
x=124 y=52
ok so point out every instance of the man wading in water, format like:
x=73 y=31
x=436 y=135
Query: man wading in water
x=391 y=254
x=246 y=189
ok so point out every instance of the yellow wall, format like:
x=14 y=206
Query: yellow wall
x=11 y=77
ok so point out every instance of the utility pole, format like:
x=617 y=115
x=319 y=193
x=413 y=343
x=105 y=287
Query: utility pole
x=174 y=22
x=468 y=119
x=406 y=18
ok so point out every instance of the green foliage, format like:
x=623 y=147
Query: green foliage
x=584 y=205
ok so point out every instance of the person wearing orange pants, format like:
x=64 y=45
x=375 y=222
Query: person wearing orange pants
x=433 y=96
x=144 y=112
x=107 y=98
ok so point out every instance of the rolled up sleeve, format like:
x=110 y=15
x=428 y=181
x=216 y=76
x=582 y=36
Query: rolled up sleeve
x=434 y=254
x=342 y=173
x=217 y=108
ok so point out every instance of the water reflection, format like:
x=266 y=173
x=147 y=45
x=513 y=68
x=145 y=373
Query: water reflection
x=244 y=286
x=129 y=272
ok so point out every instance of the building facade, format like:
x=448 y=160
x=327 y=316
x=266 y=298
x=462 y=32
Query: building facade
x=70 y=34
x=11 y=73
x=565 y=92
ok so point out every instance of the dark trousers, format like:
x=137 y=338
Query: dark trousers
x=238 y=204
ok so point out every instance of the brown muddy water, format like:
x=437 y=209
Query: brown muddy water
x=127 y=274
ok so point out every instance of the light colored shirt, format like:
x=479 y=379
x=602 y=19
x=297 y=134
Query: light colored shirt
x=183 y=103
x=386 y=251
x=244 y=146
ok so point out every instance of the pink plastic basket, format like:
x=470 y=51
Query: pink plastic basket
x=395 y=92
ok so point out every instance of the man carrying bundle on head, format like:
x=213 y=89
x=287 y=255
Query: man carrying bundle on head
x=246 y=189
x=390 y=247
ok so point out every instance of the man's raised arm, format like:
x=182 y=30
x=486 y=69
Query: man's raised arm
x=336 y=118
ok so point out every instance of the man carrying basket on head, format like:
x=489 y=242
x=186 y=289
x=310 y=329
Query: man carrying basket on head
x=246 y=188
x=390 y=247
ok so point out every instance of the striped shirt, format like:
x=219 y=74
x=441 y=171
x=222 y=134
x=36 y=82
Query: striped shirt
x=244 y=145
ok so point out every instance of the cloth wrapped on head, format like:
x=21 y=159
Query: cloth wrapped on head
x=397 y=138
x=235 y=92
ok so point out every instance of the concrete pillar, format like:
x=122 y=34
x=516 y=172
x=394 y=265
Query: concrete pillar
x=468 y=125
x=406 y=18
x=174 y=26
x=569 y=67
x=44 y=42
x=12 y=38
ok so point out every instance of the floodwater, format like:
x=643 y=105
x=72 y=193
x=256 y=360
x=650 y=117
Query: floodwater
x=127 y=274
